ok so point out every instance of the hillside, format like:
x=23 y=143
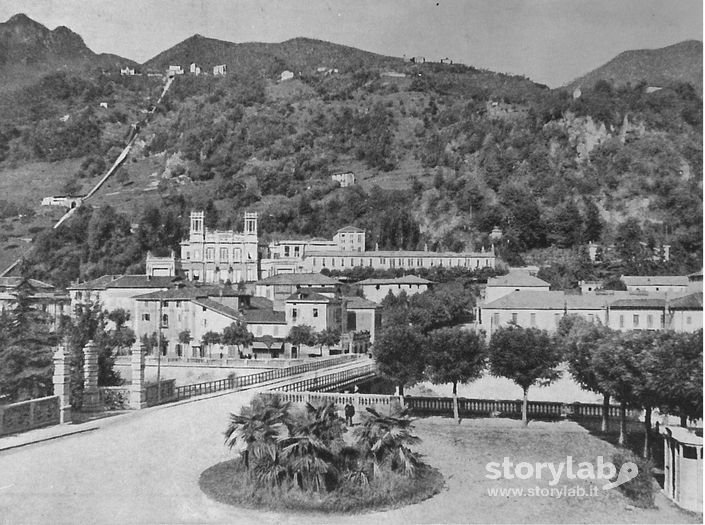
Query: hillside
x=28 y=50
x=667 y=66
x=299 y=55
x=442 y=154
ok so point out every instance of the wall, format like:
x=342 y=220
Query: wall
x=26 y=415
x=377 y=292
x=545 y=319
x=686 y=320
x=624 y=319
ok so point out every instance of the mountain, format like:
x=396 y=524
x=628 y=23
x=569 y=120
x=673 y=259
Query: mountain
x=682 y=62
x=28 y=49
x=297 y=54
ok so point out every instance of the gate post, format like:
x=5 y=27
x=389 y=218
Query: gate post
x=62 y=382
x=138 y=393
x=91 y=394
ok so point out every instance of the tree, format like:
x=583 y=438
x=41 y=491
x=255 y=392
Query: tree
x=593 y=221
x=580 y=340
x=385 y=442
x=399 y=353
x=238 y=335
x=617 y=366
x=327 y=338
x=209 y=339
x=301 y=334
x=455 y=356
x=527 y=356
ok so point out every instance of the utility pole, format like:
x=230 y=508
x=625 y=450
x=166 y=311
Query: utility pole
x=159 y=352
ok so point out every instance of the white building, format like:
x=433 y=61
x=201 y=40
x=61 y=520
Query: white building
x=175 y=70
x=213 y=256
x=513 y=282
x=685 y=314
x=286 y=75
x=656 y=283
x=376 y=290
x=195 y=69
x=221 y=69
x=127 y=71
x=344 y=179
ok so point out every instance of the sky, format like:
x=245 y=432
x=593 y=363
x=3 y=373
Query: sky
x=549 y=41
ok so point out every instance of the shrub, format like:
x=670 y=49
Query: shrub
x=640 y=490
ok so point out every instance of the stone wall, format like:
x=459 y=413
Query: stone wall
x=26 y=415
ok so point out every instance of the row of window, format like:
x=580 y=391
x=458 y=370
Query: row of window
x=396 y=262
x=210 y=255
x=636 y=319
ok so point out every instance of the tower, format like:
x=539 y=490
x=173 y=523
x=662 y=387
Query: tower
x=250 y=223
x=197 y=227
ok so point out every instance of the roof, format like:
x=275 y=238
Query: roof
x=126 y=281
x=694 y=276
x=14 y=282
x=655 y=280
x=406 y=279
x=350 y=229
x=683 y=435
x=639 y=303
x=298 y=279
x=517 y=279
x=218 y=307
x=397 y=253
x=261 y=312
x=693 y=301
x=309 y=296
x=544 y=300
x=359 y=303
x=185 y=293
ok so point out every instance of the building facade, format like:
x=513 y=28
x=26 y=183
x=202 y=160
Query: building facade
x=220 y=256
x=376 y=290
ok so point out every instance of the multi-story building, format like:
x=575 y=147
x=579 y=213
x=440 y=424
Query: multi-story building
x=41 y=296
x=656 y=283
x=213 y=256
x=514 y=281
x=350 y=239
x=685 y=314
x=279 y=288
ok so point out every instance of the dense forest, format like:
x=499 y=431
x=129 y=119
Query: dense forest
x=442 y=155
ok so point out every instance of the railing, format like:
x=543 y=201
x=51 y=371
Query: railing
x=167 y=390
x=231 y=383
x=334 y=380
x=360 y=400
x=488 y=407
x=230 y=362
x=27 y=415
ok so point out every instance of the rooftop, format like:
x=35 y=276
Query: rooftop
x=14 y=282
x=309 y=297
x=359 y=303
x=261 y=312
x=219 y=308
x=298 y=279
x=397 y=253
x=655 y=280
x=640 y=303
x=517 y=278
x=185 y=293
x=693 y=301
x=126 y=281
x=350 y=229
x=544 y=300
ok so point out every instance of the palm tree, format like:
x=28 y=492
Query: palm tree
x=310 y=450
x=385 y=440
x=259 y=427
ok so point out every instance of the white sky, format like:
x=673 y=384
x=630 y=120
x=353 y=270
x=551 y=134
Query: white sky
x=550 y=41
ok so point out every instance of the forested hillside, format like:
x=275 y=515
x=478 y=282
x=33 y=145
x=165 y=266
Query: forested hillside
x=442 y=154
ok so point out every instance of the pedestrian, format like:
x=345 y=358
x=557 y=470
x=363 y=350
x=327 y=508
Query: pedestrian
x=349 y=413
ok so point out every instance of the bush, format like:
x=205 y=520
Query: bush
x=639 y=490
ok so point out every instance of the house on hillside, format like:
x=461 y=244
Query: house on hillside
x=40 y=295
x=446 y=61
x=286 y=75
x=677 y=284
x=278 y=288
x=220 y=70
x=344 y=179
x=350 y=238
x=685 y=314
x=174 y=70
x=195 y=69
x=127 y=71
x=66 y=201
x=363 y=316
x=513 y=282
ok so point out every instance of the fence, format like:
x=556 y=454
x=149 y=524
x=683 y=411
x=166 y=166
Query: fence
x=334 y=380
x=115 y=397
x=233 y=382
x=360 y=400
x=488 y=407
x=227 y=362
x=27 y=415
x=168 y=392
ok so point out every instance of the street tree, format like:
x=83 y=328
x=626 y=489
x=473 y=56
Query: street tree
x=455 y=356
x=238 y=335
x=327 y=338
x=526 y=356
x=209 y=339
x=301 y=335
x=580 y=339
x=399 y=353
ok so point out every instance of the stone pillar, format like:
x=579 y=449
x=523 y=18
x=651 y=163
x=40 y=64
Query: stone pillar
x=62 y=382
x=138 y=392
x=91 y=394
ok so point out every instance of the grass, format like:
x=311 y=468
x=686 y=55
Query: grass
x=228 y=482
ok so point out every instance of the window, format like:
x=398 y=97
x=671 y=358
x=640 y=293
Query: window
x=323 y=262
x=145 y=317
x=79 y=295
x=223 y=254
x=515 y=317
x=621 y=321
x=210 y=254
x=635 y=321
x=165 y=321
x=237 y=254
x=286 y=251
x=197 y=255
x=649 y=321
x=533 y=319
x=294 y=313
x=495 y=318
x=296 y=251
x=188 y=255
x=315 y=312
x=688 y=320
